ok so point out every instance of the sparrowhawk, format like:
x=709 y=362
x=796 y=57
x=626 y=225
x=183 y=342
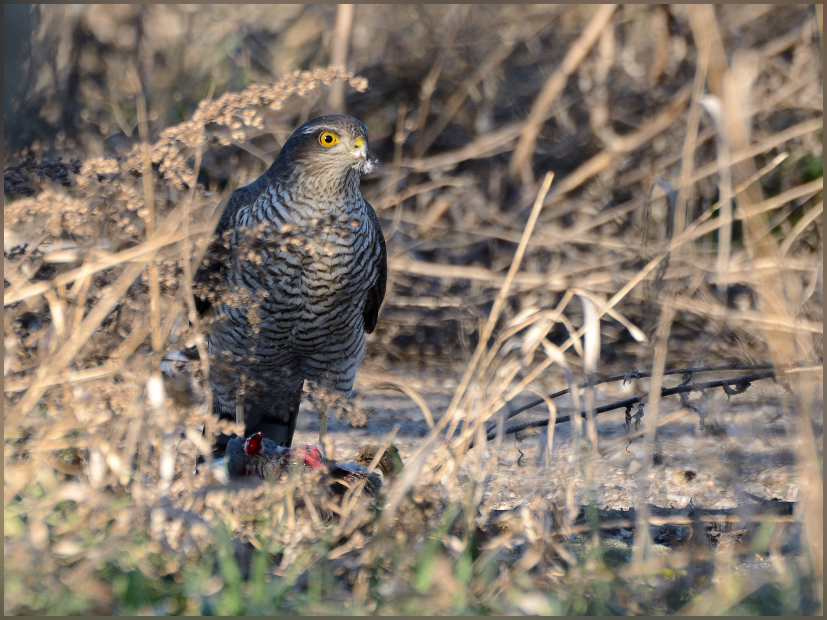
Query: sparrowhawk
x=293 y=279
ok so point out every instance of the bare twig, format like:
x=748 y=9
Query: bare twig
x=635 y=374
x=455 y=101
x=740 y=385
x=138 y=253
x=501 y=297
x=800 y=227
x=110 y=298
x=149 y=203
x=551 y=90
x=338 y=55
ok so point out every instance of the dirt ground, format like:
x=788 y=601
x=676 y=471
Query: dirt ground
x=744 y=446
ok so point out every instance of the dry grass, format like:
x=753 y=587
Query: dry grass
x=649 y=119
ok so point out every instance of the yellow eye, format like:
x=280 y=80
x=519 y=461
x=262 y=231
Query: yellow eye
x=328 y=138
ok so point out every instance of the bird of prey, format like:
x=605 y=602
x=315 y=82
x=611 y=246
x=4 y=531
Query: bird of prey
x=293 y=280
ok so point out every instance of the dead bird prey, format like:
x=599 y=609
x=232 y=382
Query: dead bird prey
x=262 y=458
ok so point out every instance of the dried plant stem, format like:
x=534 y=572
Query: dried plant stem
x=455 y=101
x=708 y=39
x=642 y=539
x=415 y=463
x=187 y=261
x=426 y=91
x=794 y=193
x=486 y=145
x=410 y=393
x=50 y=368
x=778 y=300
x=591 y=353
x=694 y=231
x=800 y=227
x=12 y=274
x=754 y=317
x=690 y=143
x=108 y=300
x=768 y=143
x=574 y=340
x=463 y=272
x=552 y=424
x=551 y=90
x=354 y=498
x=421 y=188
x=149 y=205
x=88 y=374
x=702 y=172
x=138 y=253
x=600 y=162
x=738 y=114
x=338 y=55
x=491 y=389
x=734 y=383
x=500 y=300
x=399 y=136
x=82 y=287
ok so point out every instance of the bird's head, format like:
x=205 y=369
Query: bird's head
x=252 y=446
x=310 y=455
x=334 y=146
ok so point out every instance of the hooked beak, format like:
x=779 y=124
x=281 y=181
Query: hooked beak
x=361 y=156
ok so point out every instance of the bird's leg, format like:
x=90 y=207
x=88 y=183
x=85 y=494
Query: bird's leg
x=239 y=411
x=323 y=422
x=239 y=401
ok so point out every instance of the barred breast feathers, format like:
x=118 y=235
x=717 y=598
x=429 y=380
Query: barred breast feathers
x=298 y=209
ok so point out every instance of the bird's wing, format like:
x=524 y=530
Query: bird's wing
x=376 y=294
x=210 y=273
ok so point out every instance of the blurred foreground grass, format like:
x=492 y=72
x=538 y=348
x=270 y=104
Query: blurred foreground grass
x=650 y=119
